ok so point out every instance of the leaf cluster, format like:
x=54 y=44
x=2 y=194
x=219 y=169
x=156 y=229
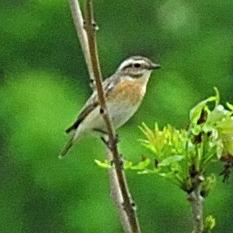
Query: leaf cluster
x=184 y=155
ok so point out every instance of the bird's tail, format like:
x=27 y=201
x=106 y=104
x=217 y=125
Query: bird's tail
x=66 y=148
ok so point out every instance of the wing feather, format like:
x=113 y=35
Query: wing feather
x=92 y=102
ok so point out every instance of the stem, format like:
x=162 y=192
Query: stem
x=196 y=200
x=117 y=176
x=118 y=198
x=78 y=22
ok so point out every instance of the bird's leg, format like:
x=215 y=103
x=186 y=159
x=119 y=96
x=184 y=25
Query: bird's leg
x=100 y=131
x=103 y=136
x=106 y=141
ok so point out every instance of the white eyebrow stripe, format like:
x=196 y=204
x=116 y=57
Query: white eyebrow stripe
x=129 y=62
x=126 y=63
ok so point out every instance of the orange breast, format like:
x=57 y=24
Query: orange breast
x=127 y=90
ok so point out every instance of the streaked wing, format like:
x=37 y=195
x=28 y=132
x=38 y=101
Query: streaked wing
x=92 y=102
x=82 y=115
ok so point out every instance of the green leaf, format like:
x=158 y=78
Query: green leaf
x=171 y=160
x=104 y=164
x=196 y=129
x=226 y=126
x=196 y=111
x=127 y=164
x=141 y=165
x=208 y=184
x=217 y=114
x=230 y=106
x=154 y=139
x=209 y=223
x=148 y=171
x=225 y=129
x=217 y=96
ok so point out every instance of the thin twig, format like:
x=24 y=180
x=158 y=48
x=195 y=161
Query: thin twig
x=79 y=22
x=127 y=204
x=117 y=176
x=117 y=197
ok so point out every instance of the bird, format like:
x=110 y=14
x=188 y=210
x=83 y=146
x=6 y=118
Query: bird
x=124 y=92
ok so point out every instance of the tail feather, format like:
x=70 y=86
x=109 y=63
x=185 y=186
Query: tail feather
x=66 y=148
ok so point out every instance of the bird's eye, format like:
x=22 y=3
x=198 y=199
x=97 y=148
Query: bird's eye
x=136 y=65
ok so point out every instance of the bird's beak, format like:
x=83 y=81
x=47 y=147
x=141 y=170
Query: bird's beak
x=155 y=66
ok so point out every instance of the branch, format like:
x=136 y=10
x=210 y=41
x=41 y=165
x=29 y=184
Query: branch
x=78 y=22
x=117 y=177
x=197 y=200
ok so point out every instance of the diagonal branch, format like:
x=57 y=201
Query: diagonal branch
x=78 y=22
x=117 y=177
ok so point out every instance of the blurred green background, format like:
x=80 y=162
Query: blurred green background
x=44 y=82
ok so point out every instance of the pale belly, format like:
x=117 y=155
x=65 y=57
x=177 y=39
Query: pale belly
x=120 y=114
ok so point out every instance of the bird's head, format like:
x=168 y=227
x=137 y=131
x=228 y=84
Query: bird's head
x=137 y=67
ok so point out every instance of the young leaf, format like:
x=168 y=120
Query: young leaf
x=230 y=106
x=141 y=165
x=104 y=164
x=196 y=111
x=171 y=160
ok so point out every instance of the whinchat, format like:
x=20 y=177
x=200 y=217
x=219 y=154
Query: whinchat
x=124 y=91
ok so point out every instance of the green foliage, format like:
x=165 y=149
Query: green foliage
x=209 y=224
x=180 y=154
x=184 y=156
x=103 y=164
